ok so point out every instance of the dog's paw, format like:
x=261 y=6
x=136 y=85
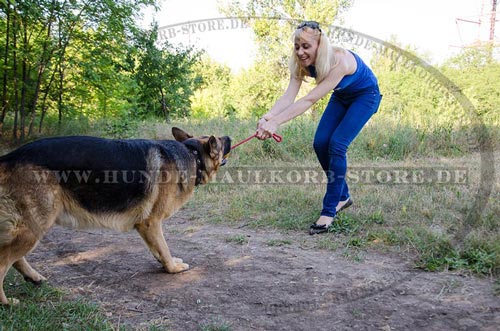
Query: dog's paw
x=38 y=281
x=11 y=302
x=179 y=266
x=177 y=260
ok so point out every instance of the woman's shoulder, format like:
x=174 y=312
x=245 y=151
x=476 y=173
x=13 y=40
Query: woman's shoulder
x=339 y=49
x=345 y=60
x=338 y=55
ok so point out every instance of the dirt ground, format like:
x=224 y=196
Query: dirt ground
x=258 y=286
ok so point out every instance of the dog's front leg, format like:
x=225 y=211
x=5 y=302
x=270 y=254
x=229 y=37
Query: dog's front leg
x=151 y=232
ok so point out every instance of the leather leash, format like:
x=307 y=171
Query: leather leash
x=276 y=137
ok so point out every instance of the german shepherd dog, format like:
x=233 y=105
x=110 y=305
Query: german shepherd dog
x=89 y=182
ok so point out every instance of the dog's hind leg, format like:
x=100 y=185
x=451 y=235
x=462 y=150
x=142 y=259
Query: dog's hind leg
x=3 y=272
x=27 y=211
x=30 y=274
x=8 y=256
x=151 y=232
x=9 y=221
x=13 y=255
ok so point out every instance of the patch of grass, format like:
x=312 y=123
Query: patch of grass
x=356 y=242
x=496 y=287
x=388 y=237
x=345 y=224
x=158 y=328
x=279 y=206
x=329 y=243
x=482 y=253
x=47 y=308
x=396 y=141
x=479 y=260
x=278 y=242
x=436 y=252
x=419 y=218
x=216 y=324
x=239 y=239
x=377 y=217
x=353 y=254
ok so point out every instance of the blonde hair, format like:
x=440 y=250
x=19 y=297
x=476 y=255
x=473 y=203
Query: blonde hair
x=325 y=56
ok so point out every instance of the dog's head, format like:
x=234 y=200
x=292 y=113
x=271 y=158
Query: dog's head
x=210 y=150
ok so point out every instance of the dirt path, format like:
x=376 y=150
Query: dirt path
x=258 y=286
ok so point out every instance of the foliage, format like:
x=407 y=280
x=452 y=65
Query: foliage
x=477 y=74
x=281 y=16
x=64 y=61
x=44 y=49
x=212 y=99
x=70 y=60
x=255 y=90
x=165 y=76
x=423 y=115
x=409 y=99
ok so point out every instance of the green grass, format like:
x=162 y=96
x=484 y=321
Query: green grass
x=278 y=242
x=421 y=219
x=239 y=240
x=380 y=139
x=47 y=308
x=215 y=324
x=496 y=287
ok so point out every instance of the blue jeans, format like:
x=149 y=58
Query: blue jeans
x=343 y=119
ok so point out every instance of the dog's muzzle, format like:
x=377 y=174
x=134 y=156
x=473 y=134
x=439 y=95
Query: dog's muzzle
x=227 y=149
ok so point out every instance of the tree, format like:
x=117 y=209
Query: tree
x=165 y=76
x=476 y=72
x=276 y=19
x=214 y=96
x=273 y=25
x=40 y=45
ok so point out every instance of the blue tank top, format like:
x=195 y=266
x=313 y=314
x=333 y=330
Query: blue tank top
x=363 y=78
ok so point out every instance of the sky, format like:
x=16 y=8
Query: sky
x=435 y=27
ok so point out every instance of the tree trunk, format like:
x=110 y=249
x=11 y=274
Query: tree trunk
x=24 y=86
x=59 y=94
x=44 y=100
x=45 y=58
x=5 y=62
x=14 y=70
x=164 y=107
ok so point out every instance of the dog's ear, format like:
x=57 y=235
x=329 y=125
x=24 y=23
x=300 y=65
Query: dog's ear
x=180 y=135
x=211 y=147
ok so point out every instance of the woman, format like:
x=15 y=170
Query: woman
x=355 y=98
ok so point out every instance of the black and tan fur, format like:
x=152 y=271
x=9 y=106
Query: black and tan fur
x=88 y=182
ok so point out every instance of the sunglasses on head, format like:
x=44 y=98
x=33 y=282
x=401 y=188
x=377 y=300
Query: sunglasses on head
x=309 y=24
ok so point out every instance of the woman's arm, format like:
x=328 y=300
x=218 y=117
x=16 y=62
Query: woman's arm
x=266 y=129
x=286 y=99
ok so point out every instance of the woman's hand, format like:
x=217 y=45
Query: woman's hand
x=260 y=133
x=266 y=129
x=260 y=122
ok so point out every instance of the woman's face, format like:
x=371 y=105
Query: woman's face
x=306 y=48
